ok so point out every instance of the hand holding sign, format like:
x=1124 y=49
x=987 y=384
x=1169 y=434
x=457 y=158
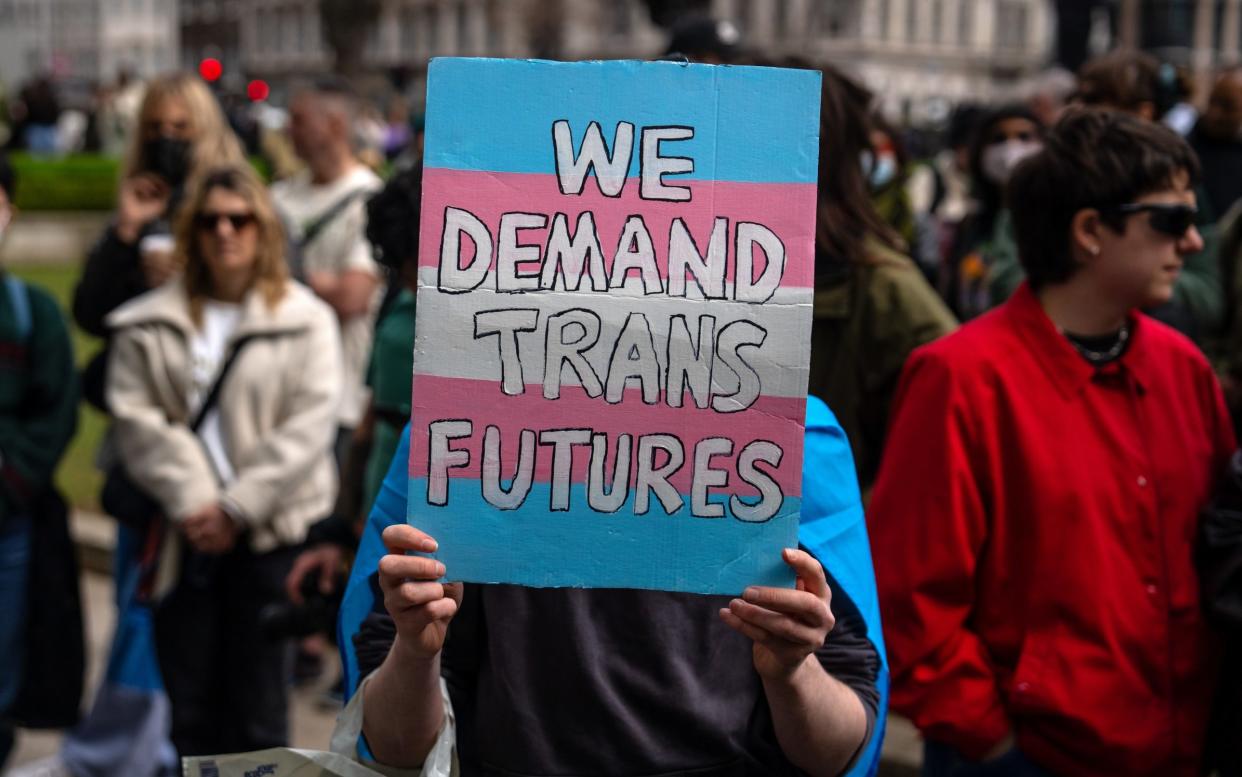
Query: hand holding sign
x=786 y=626
x=420 y=606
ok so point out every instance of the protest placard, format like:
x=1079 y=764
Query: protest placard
x=613 y=325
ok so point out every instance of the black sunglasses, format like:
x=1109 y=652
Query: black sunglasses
x=1173 y=219
x=210 y=222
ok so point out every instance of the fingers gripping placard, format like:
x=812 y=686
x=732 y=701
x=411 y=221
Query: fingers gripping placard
x=613 y=331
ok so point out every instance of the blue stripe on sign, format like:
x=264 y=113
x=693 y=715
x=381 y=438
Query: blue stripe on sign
x=582 y=548
x=752 y=124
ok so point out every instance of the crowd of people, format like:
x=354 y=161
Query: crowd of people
x=1053 y=503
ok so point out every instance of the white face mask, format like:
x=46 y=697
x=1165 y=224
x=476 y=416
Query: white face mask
x=999 y=159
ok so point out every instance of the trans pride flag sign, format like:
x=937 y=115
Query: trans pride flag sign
x=613 y=327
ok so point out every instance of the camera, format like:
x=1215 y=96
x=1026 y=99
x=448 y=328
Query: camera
x=316 y=614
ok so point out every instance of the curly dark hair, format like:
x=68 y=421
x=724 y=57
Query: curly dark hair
x=393 y=218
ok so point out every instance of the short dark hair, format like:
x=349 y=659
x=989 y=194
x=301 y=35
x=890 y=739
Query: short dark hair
x=1092 y=158
x=8 y=178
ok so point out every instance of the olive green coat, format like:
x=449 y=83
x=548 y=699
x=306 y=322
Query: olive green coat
x=865 y=325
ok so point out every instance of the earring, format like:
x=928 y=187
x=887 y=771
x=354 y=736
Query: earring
x=1094 y=250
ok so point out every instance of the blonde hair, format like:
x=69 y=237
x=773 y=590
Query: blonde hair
x=212 y=140
x=271 y=272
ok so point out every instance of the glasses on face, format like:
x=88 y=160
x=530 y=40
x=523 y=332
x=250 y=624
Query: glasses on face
x=1173 y=219
x=210 y=222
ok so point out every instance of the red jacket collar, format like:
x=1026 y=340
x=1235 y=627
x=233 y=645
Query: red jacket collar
x=1066 y=368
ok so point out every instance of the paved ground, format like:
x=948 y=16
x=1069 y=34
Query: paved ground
x=311 y=722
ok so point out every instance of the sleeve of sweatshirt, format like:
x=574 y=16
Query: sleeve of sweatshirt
x=111 y=276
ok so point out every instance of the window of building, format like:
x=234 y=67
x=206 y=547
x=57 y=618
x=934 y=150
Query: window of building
x=881 y=13
x=780 y=17
x=912 y=21
x=263 y=26
x=408 y=32
x=289 y=28
x=299 y=30
x=966 y=22
x=1168 y=24
x=833 y=20
x=756 y=20
x=937 y=19
x=465 y=42
x=429 y=32
x=621 y=11
x=1011 y=24
x=491 y=21
x=375 y=45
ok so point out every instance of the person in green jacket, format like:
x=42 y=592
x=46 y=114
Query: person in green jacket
x=38 y=416
x=872 y=304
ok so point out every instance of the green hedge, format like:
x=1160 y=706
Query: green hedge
x=76 y=181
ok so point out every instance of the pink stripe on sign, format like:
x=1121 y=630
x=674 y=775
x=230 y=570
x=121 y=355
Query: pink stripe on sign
x=786 y=209
x=776 y=419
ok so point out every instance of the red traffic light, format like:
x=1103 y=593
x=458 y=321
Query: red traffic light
x=257 y=90
x=210 y=69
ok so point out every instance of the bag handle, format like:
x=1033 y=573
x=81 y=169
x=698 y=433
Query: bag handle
x=213 y=394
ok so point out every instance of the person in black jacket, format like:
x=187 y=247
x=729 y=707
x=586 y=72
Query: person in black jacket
x=180 y=131
x=1220 y=573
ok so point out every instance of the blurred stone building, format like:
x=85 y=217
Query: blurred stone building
x=919 y=54
x=87 y=39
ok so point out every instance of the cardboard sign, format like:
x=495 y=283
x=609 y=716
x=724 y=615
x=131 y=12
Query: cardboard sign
x=613 y=325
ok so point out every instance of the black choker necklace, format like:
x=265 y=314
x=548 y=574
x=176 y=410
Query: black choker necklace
x=1105 y=356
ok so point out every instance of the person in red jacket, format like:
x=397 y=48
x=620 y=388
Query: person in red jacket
x=1038 y=499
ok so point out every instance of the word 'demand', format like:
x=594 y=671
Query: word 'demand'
x=574 y=256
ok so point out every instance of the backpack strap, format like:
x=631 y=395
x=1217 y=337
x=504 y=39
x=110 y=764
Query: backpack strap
x=317 y=226
x=19 y=297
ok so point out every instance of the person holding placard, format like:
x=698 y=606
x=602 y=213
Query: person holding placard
x=572 y=681
x=608 y=431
